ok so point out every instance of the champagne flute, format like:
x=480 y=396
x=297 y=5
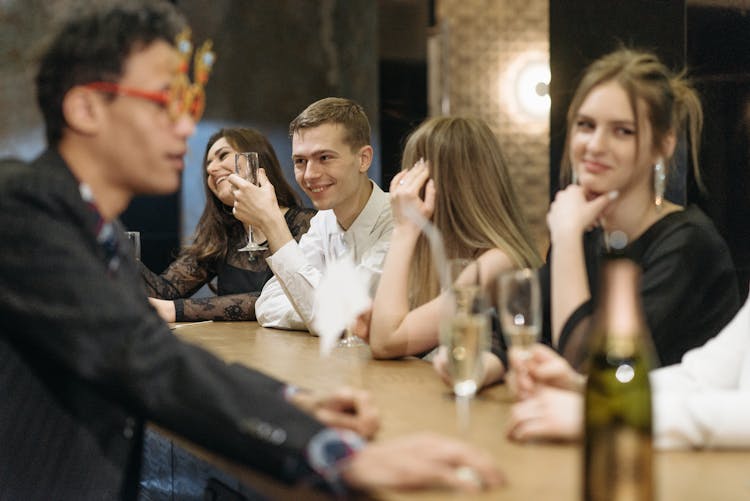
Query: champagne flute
x=520 y=309
x=337 y=250
x=464 y=332
x=134 y=237
x=246 y=165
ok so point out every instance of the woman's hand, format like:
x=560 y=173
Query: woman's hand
x=440 y=364
x=541 y=366
x=404 y=190
x=571 y=213
x=165 y=308
x=361 y=326
x=551 y=414
x=492 y=368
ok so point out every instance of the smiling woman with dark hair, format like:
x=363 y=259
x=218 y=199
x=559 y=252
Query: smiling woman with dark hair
x=240 y=276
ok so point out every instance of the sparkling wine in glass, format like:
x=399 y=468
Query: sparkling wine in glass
x=246 y=166
x=464 y=333
x=520 y=309
x=464 y=326
x=465 y=339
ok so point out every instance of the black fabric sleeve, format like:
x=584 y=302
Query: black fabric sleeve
x=498 y=346
x=573 y=344
x=688 y=287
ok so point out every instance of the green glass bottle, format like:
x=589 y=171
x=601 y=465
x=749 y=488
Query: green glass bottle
x=618 y=455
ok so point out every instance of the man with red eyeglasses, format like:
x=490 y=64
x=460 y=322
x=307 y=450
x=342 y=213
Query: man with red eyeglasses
x=84 y=359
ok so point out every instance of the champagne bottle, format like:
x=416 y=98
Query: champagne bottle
x=618 y=420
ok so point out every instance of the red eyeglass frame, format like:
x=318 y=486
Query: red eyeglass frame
x=177 y=100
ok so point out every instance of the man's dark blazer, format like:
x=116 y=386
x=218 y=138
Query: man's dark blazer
x=85 y=360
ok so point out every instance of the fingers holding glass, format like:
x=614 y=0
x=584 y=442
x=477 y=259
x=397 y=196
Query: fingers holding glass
x=246 y=166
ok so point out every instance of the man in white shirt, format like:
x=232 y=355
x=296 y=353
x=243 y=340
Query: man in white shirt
x=331 y=152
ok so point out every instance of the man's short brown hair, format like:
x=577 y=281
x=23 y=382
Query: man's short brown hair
x=336 y=110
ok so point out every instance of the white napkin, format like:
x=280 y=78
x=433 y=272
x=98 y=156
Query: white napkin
x=341 y=296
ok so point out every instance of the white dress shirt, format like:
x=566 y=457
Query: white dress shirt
x=704 y=401
x=287 y=300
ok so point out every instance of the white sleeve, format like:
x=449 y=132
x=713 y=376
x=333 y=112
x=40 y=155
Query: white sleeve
x=371 y=262
x=704 y=401
x=286 y=301
x=719 y=418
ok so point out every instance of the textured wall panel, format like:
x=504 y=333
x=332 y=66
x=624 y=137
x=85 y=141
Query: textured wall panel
x=488 y=43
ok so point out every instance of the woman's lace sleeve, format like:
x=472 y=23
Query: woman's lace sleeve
x=181 y=279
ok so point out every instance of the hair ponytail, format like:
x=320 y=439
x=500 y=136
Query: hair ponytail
x=688 y=113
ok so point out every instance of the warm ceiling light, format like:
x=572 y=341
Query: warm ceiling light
x=531 y=87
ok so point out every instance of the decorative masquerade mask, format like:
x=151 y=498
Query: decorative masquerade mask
x=183 y=96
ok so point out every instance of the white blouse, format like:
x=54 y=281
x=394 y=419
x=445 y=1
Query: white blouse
x=704 y=401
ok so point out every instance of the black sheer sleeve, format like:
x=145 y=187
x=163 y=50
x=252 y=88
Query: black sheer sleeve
x=231 y=307
x=298 y=220
x=573 y=344
x=181 y=279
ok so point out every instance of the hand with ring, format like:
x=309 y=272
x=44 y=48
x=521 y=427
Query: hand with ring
x=405 y=191
x=420 y=461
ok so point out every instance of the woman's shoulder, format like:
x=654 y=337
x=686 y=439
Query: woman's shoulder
x=689 y=232
x=495 y=260
x=689 y=224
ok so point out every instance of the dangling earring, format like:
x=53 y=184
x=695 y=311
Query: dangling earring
x=573 y=176
x=660 y=178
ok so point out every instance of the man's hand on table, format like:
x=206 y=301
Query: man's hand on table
x=343 y=408
x=423 y=460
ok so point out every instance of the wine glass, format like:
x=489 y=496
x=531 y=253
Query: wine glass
x=246 y=166
x=520 y=309
x=464 y=326
x=337 y=250
x=134 y=237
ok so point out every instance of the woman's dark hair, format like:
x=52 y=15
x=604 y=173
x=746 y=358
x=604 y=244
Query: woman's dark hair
x=217 y=226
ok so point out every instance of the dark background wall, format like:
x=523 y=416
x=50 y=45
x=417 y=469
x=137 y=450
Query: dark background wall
x=718 y=55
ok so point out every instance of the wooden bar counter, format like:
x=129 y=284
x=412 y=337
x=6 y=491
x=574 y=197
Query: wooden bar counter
x=411 y=398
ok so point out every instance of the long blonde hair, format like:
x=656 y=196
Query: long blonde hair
x=476 y=208
x=671 y=103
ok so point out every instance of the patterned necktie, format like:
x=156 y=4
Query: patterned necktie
x=106 y=235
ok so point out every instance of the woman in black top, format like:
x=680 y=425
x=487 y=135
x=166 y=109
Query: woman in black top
x=623 y=125
x=240 y=276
